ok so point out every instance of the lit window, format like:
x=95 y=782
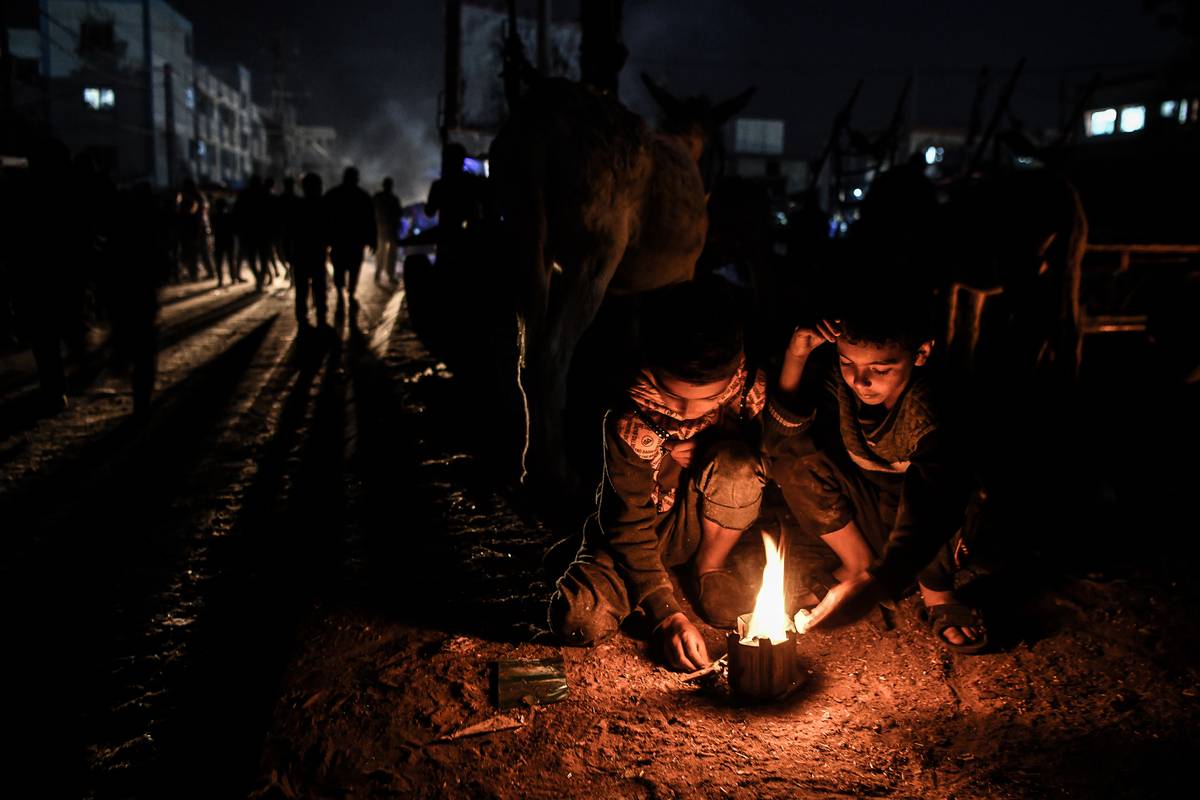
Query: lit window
x=759 y=136
x=1183 y=111
x=189 y=97
x=1101 y=122
x=99 y=98
x=1133 y=118
x=1168 y=108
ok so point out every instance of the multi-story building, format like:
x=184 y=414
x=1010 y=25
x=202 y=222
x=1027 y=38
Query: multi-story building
x=121 y=85
x=119 y=77
x=230 y=141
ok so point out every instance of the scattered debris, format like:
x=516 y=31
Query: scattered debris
x=496 y=724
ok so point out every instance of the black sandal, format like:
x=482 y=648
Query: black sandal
x=956 y=615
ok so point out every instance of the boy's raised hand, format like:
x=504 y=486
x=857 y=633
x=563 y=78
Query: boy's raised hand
x=682 y=645
x=805 y=338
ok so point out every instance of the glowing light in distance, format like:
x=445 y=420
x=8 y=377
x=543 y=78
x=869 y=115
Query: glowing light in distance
x=1133 y=118
x=1101 y=122
x=99 y=98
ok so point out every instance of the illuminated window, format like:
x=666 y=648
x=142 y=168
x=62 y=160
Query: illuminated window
x=1133 y=118
x=1183 y=111
x=760 y=136
x=1101 y=122
x=99 y=98
x=189 y=97
x=1168 y=108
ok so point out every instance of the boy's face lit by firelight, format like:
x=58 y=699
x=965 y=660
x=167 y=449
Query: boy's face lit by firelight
x=878 y=373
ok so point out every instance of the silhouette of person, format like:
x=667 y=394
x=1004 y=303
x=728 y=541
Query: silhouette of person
x=248 y=213
x=351 y=228
x=306 y=237
x=272 y=226
x=37 y=267
x=387 y=225
x=458 y=201
x=287 y=206
x=222 y=221
x=194 y=231
x=138 y=251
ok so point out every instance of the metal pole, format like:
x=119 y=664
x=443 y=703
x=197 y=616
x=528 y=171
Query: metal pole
x=148 y=54
x=543 y=37
x=169 y=120
x=452 y=31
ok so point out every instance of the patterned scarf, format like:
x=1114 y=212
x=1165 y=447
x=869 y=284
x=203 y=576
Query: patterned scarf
x=653 y=423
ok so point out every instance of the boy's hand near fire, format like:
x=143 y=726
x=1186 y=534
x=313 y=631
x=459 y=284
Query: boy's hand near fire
x=849 y=599
x=681 y=643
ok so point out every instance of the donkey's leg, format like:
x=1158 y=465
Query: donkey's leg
x=571 y=312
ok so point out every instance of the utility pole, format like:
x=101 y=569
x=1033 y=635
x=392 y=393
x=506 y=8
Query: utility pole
x=452 y=36
x=7 y=122
x=543 y=37
x=169 y=109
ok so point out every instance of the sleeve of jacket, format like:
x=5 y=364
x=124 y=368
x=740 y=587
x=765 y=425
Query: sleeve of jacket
x=787 y=425
x=932 y=505
x=628 y=517
x=784 y=429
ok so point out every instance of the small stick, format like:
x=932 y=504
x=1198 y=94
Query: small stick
x=700 y=673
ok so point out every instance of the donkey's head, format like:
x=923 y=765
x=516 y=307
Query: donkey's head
x=697 y=122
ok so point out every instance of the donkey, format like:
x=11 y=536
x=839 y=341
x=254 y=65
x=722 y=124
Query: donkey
x=595 y=202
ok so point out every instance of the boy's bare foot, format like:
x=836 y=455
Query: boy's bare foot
x=954 y=634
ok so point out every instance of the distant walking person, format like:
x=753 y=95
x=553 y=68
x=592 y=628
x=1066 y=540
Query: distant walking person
x=138 y=251
x=37 y=203
x=249 y=214
x=306 y=237
x=387 y=224
x=223 y=233
x=272 y=226
x=288 y=204
x=351 y=228
x=191 y=209
x=458 y=200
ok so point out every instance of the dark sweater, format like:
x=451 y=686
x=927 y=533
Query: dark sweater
x=632 y=499
x=910 y=443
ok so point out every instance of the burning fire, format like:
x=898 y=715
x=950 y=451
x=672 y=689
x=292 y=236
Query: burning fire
x=770 y=619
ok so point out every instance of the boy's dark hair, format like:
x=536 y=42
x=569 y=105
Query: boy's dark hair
x=883 y=299
x=692 y=332
x=879 y=316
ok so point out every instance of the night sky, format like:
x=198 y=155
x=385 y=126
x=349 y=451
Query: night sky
x=373 y=69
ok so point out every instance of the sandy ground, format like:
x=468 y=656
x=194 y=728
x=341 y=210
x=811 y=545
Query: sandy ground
x=1092 y=692
x=294 y=580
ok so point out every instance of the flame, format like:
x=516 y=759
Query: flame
x=770 y=619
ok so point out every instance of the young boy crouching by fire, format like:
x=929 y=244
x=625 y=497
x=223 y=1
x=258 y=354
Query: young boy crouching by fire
x=683 y=479
x=881 y=480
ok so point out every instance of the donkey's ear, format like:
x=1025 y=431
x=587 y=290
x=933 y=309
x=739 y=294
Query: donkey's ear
x=725 y=110
x=671 y=107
